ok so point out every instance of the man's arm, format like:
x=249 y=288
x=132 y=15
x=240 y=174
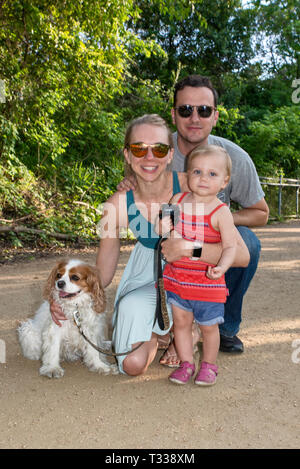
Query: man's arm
x=256 y=215
x=174 y=248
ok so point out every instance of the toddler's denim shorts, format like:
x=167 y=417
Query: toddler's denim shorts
x=205 y=313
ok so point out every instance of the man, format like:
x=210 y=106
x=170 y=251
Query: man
x=195 y=114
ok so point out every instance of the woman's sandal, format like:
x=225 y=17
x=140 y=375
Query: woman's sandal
x=169 y=357
x=163 y=342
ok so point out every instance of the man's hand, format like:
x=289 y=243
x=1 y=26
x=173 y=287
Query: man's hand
x=127 y=184
x=175 y=248
x=57 y=313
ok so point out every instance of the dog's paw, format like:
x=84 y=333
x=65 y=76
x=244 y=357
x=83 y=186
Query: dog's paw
x=56 y=372
x=114 y=369
x=111 y=370
x=102 y=368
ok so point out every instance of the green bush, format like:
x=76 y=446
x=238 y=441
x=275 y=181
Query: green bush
x=67 y=205
x=227 y=122
x=274 y=142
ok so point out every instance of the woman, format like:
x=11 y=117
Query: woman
x=148 y=150
x=136 y=296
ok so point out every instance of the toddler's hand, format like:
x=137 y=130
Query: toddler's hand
x=214 y=272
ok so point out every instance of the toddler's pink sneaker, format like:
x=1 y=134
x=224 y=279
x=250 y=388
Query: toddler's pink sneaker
x=207 y=375
x=182 y=374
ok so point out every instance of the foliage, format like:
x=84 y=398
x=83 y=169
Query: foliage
x=274 y=142
x=77 y=72
x=228 y=119
x=73 y=211
x=279 y=24
x=63 y=63
x=212 y=38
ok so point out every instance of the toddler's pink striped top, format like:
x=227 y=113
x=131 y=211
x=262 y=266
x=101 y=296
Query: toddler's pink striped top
x=186 y=277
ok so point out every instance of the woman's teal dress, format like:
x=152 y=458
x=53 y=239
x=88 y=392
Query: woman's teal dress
x=135 y=301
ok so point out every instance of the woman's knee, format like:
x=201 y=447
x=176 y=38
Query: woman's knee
x=134 y=365
x=137 y=362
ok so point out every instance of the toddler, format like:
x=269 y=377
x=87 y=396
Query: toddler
x=196 y=290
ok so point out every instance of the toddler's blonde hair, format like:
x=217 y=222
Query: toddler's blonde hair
x=210 y=150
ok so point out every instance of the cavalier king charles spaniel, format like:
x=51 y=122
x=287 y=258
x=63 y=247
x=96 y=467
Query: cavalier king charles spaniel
x=74 y=286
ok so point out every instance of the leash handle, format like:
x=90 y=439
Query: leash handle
x=161 y=312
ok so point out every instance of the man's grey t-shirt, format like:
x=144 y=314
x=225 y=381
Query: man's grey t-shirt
x=244 y=186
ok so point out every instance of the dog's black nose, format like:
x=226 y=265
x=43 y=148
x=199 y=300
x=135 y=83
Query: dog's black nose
x=61 y=283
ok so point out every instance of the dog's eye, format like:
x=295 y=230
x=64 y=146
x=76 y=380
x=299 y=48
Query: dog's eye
x=75 y=278
x=58 y=276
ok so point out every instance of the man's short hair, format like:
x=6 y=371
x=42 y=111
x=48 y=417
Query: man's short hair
x=195 y=81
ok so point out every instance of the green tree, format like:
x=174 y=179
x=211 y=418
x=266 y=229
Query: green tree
x=212 y=38
x=62 y=62
x=278 y=22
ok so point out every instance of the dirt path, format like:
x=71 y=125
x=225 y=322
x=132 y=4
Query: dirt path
x=255 y=403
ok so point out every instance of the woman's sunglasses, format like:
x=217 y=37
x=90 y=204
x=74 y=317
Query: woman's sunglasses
x=159 y=150
x=187 y=110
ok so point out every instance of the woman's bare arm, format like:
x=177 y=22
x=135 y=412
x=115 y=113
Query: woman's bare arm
x=114 y=217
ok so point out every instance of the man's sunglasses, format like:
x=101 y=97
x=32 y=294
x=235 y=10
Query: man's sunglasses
x=187 y=110
x=159 y=150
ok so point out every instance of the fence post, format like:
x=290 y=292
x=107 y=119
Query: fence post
x=279 y=195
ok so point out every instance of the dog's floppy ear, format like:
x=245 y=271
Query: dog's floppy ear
x=48 y=289
x=95 y=287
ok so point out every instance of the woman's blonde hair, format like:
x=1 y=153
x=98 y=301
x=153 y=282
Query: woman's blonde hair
x=210 y=150
x=150 y=119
